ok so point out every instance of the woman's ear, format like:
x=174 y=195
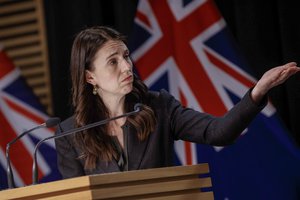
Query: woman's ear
x=89 y=77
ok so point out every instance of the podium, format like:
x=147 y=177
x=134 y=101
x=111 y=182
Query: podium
x=167 y=183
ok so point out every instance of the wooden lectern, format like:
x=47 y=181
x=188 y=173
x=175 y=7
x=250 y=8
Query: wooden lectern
x=168 y=183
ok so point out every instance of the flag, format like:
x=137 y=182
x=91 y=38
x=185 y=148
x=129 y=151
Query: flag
x=184 y=46
x=20 y=110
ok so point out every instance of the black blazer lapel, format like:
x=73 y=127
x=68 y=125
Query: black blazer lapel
x=136 y=149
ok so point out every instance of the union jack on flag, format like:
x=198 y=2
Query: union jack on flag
x=21 y=111
x=185 y=47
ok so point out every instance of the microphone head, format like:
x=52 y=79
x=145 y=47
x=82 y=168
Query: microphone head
x=52 y=122
x=138 y=106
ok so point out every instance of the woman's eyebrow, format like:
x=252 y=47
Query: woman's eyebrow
x=111 y=55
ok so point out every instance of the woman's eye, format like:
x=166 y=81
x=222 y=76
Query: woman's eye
x=127 y=56
x=113 y=62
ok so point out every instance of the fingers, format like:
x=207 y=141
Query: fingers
x=286 y=71
x=290 y=64
x=289 y=68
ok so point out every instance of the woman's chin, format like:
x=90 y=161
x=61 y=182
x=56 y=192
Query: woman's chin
x=127 y=89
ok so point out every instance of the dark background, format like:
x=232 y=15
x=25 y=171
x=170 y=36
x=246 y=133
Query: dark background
x=267 y=32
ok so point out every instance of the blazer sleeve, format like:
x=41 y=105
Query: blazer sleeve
x=190 y=125
x=67 y=157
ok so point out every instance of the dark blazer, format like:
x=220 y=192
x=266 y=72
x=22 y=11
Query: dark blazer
x=174 y=122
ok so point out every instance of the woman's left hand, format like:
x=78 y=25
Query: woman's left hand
x=272 y=78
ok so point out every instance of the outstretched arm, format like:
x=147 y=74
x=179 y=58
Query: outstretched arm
x=272 y=78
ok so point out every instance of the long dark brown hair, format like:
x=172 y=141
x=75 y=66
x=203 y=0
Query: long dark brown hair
x=96 y=143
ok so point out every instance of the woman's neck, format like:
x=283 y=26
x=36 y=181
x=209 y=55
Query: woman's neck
x=115 y=106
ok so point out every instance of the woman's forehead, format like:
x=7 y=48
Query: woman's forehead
x=112 y=46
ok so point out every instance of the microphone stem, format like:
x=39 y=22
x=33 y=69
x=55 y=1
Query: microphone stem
x=24 y=133
x=9 y=172
x=75 y=130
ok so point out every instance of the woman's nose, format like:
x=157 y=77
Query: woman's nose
x=126 y=64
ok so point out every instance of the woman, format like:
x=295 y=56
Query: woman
x=104 y=86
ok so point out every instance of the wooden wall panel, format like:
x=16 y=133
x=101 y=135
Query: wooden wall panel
x=23 y=36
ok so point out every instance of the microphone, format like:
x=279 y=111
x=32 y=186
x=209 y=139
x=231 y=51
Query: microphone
x=137 y=108
x=10 y=177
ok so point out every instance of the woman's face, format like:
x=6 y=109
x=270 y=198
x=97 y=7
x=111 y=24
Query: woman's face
x=111 y=70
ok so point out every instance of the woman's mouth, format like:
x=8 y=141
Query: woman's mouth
x=128 y=78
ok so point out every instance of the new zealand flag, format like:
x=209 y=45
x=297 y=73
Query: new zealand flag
x=21 y=111
x=184 y=46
